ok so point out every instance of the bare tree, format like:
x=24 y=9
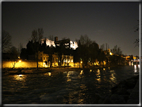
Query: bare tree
x=6 y=41
x=136 y=29
x=37 y=35
x=13 y=55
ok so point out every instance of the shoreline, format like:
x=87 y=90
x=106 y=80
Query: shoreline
x=12 y=71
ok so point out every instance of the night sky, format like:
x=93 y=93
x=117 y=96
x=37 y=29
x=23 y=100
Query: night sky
x=111 y=23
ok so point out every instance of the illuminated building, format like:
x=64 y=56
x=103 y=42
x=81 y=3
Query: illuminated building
x=66 y=42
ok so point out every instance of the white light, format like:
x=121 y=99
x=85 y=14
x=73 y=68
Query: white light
x=139 y=66
x=135 y=67
x=20 y=75
x=73 y=45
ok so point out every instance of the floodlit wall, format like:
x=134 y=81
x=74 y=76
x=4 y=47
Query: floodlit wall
x=21 y=64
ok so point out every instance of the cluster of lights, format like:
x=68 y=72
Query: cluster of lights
x=50 y=43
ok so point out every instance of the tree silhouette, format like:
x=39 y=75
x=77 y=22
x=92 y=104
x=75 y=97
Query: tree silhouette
x=36 y=38
x=136 y=29
x=116 y=50
x=13 y=55
x=6 y=41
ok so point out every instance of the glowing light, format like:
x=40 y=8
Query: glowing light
x=49 y=73
x=132 y=63
x=139 y=66
x=68 y=74
x=68 y=79
x=50 y=43
x=135 y=67
x=112 y=77
x=71 y=60
x=19 y=60
x=81 y=72
x=110 y=53
x=19 y=77
x=98 y=79
x=64 y=60
x=66 y=43
x=98 y=70
x=103 y=68
x=90 y=70
x=73 y=45
x=81 y=62
x=44 y=65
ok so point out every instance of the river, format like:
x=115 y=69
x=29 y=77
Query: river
x=62 y=87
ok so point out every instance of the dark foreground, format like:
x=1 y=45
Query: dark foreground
x=65 y=86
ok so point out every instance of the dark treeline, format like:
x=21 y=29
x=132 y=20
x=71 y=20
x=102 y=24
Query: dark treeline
x=87 y=53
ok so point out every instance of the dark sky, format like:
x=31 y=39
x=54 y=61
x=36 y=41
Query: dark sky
x=111 y=23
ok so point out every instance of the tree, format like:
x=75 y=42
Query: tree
x=23 y=54
x=136 y=30
x=36 y=38
x=117 y=58
x=6 y=41
x=116 y=50
x=13 y=55
x=101 y=56
x=93 y=51
x=83 y=49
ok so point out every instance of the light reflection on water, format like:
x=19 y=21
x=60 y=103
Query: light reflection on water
x=71 y=75
x=81 y=72
x=136 y=68
x=113 y=76
x=80 y=82
x=20 y=77
x=47 y=73
x=98 y=74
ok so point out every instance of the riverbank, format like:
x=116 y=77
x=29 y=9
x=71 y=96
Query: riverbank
x=125 y=92
x=6 y=71
x=67 y=86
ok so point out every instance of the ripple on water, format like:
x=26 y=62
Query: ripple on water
x=68 y=87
